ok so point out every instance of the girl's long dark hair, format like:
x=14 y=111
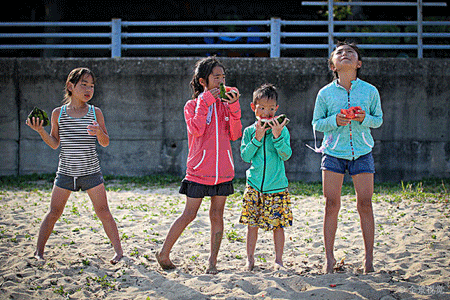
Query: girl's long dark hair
x=203 y=68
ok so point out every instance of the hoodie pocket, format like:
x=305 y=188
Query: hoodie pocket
x=201 y=160
x=230 y=158
x=365 y=141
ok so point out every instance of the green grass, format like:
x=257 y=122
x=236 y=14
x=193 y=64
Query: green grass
x=426 y=190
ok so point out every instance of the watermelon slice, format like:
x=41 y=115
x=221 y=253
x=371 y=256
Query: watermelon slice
x=280 y=119
x=350 y=113
x=224 y=90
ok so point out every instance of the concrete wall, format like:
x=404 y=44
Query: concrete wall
x=142 y=101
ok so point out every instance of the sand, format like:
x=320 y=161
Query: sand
x=412 y=251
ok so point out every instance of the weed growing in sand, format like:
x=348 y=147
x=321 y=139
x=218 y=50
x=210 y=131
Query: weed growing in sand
x=194 y=257
x=60 y=291
x=104 y=282
x=135 y=252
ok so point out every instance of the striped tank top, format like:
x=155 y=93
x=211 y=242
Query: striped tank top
x=78 y=156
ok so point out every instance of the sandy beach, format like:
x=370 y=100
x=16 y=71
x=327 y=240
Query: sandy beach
x=412 y=251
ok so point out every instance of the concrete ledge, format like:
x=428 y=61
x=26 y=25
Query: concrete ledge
x=142 y=100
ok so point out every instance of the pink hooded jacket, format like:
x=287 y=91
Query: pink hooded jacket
x=211 y=124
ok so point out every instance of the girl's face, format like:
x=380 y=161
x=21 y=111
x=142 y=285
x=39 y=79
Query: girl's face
x=345 y=58
x=265 y=108
x=83 y=90
x=216 y=77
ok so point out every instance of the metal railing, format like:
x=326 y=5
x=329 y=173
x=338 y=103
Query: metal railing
x=266 y=35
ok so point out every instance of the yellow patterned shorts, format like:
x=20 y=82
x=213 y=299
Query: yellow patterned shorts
x=266 y=211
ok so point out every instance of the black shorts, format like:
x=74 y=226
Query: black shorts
x=76 y=183
x=197 y=190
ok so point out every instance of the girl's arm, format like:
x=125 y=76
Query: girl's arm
x=99 y=128
x=195 y=113
x=374 y=118
x=235 y=121
x=283 y=144
x=322 y=122
x=51 y=139
x=249 y=146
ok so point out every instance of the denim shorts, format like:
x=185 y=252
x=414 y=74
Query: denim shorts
x=76 y=183
x=363 y=164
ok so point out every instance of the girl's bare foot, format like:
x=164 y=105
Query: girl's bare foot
x=368 y=267
x=212 y=269
x=250 y=264
x=165 y=264
x=116 y=258
x=278 y=266
x=328 y=268
x=38 y=256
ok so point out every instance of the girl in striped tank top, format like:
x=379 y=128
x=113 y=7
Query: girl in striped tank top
x=76 y=126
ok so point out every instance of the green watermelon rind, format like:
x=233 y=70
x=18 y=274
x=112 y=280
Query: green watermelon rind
x=41 y=114
x=280 y=119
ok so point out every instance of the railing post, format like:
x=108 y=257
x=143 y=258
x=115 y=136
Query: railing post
x=330 y=26
x=275 y=37
x=116 y=38
x=419 y=29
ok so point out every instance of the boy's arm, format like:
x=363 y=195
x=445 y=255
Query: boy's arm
x=249 y=146
x=235 y=121
x=283 y=144
x=195 y=113
x=374 y=118
x=320 y=120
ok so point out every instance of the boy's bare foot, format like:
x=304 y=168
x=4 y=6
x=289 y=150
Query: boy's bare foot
x=38 y=256
x=165 y=264
x=328 y=268
x=212 y=269
x=250 y=264
x=116 y=258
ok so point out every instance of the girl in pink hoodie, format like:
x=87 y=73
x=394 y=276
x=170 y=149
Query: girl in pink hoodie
x=211 y=123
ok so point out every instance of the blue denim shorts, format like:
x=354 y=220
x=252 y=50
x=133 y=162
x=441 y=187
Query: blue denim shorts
x=363 y=164
x=76 y=183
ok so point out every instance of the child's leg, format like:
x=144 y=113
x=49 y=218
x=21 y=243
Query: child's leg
x=100 y=203
x=364 y=190
x=57 y=204
x=332 y=186
x=216 y=218
x=252 y=237
x=176 y=229
x=278 y=238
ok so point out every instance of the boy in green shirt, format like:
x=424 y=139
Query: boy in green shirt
x=266 y=202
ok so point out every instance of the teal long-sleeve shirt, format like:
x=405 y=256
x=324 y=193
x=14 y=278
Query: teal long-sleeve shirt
x=267 y=173
x=354 y=140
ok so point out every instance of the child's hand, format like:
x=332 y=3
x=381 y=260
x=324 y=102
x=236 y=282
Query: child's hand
x=260 y=130
x=231 y=98
x=341 y=120
x=360 y=115
x=35 y=124
x=277 y=127
x=94 y=129
x=215 y=92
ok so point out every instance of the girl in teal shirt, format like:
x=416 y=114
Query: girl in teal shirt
x=347 y=145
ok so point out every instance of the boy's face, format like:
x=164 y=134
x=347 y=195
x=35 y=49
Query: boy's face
x=264 y=108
